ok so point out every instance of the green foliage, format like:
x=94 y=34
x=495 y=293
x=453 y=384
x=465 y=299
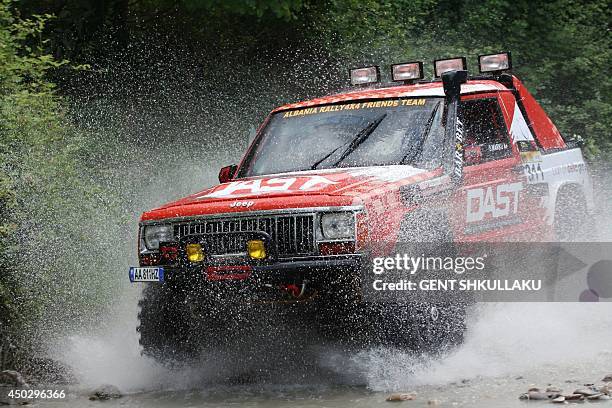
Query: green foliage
x=284 y=9
x=46 y=187
x=25 y=99
x=561 y=49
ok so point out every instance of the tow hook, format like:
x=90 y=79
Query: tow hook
x=295 y=290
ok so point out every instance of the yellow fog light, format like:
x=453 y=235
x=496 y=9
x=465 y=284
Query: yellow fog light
x=256 y=249
x=194 y=252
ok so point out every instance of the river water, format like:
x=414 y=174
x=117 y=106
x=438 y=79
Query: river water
x=508 y=349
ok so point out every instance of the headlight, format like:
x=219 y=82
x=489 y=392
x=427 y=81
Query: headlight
x=338 y=225
x=154 y=234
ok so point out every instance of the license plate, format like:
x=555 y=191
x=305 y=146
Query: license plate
x=146 y=274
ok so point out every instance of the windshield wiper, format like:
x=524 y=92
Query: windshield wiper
x=417 y=150
x=354 y=144
x=314 y=166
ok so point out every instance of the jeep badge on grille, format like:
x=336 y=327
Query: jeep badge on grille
x=245 y=204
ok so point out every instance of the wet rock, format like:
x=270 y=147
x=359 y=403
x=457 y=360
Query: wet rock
x=3 y=395
x=534 y=394
x=606 y=389
x=433 y=403
x=574 y=397
x=402 y=397
x=105 y=392
x=607 y=378
x=594 y=396
x=14 y=378
x=559 y=400
x=587 y=392
x=553 y=389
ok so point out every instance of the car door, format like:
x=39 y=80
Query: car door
x=491 y=204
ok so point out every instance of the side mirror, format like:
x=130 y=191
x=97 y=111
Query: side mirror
x=227 y=173
x=472 y=154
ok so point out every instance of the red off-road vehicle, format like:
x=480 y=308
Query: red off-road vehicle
x=329 y=182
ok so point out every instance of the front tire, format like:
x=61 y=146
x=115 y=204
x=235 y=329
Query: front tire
x=163 y=325
x=423 y=327
x=435 y=326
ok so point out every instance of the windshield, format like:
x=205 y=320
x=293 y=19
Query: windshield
x=376 y=133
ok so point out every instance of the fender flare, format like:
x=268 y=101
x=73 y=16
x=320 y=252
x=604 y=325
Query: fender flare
x=566 y=187
x=433 y=222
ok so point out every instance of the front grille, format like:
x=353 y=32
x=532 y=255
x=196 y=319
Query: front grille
x=291 y=234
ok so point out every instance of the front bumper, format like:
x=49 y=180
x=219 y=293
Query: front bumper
x=283 y=271
x=321 y=277
x=312 y=269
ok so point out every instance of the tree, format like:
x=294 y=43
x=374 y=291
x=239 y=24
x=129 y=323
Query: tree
x=40 y=160
x=561 y=49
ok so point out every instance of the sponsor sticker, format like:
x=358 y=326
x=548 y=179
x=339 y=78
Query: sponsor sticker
x=458 y=171
x=387 y=103
x=272 y=185
x=531 y=156
x=495 y=201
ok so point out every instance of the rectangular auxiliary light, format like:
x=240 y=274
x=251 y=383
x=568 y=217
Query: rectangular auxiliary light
x=495 y=62
x=256 y=249
x=407 y=71
x=449 y=64
x=366 y=75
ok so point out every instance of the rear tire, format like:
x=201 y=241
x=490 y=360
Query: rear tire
x=571 y=221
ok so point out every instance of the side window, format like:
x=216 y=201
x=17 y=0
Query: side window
x=485 y=135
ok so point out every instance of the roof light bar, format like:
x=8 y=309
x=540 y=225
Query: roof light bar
x=449 y=64
x=495 y=62
x=407 y=71
x=366 y=75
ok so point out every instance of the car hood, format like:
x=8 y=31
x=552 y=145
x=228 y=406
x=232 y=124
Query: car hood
x=328 y=187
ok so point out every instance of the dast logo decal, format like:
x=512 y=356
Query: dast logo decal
x=497 y=201
x=264 y=186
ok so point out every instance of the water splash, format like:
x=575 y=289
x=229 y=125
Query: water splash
x=502 y=340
